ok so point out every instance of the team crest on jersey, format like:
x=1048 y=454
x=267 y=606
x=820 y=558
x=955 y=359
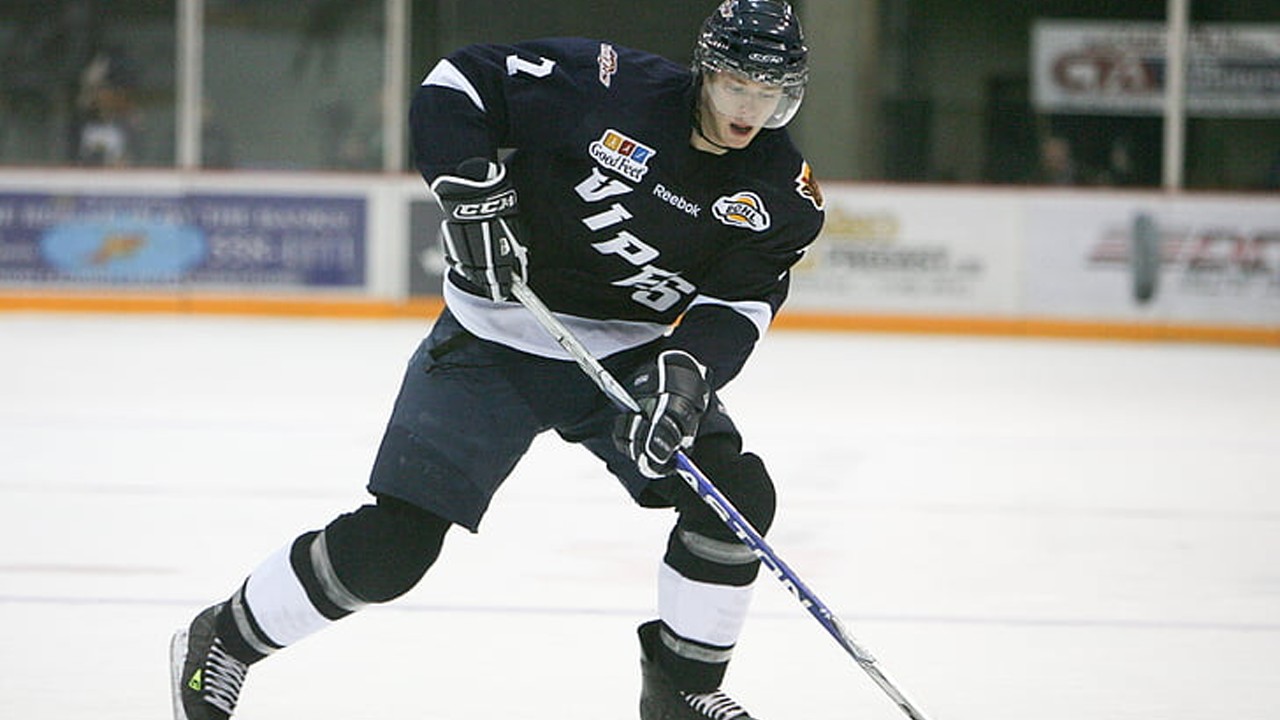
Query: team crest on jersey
x=622 y=154
x=742 y=209
x=608 y=62
x=807 y=186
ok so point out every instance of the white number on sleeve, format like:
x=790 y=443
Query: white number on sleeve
x=517 y=64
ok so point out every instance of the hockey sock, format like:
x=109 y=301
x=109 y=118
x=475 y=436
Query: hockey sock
x=381 y=551
x=701 y=619
x=291 y=595
x=372 y=555
x=707 y=574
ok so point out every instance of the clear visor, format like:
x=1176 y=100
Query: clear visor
x=750 y=102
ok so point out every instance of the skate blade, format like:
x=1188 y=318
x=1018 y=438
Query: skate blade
x=177 y=659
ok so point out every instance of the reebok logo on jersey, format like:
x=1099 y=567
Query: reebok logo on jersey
x=622 y=154
x=676 y=201
x=742 y=209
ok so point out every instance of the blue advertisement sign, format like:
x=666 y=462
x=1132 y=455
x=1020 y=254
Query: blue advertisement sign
x=256 y=240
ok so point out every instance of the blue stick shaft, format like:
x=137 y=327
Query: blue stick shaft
x=792 y=582
x=716 y=500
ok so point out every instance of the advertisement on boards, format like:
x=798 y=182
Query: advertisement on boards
x=1191 y=260
x=911 y=252
x=203 y=240
x=1118 y=68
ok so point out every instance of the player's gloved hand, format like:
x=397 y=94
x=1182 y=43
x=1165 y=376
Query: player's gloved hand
x=673 y=394
x=481 y=228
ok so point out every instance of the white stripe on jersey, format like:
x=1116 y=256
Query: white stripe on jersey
x=446 y=75
x=757 y=312
x=512 y=325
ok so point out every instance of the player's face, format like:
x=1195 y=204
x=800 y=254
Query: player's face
x=734 y=108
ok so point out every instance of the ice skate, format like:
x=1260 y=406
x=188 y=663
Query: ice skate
x=205 y=679
x=660 y=699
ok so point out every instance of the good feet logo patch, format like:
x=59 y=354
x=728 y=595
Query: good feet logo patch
x=742 y=209
x=622 y=154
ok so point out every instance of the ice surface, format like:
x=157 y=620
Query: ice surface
x=1017 y=529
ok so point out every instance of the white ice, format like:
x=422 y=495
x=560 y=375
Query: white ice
x=1017 y=529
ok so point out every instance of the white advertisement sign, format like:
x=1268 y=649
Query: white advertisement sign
x=1189 y=260
x=1095 y=67
x=907 y=251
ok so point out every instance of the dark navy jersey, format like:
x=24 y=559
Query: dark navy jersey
x=629 y=229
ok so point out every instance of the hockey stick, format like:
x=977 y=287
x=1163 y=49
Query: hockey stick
x=712 y=496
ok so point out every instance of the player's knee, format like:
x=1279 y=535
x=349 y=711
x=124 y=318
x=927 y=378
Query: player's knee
x=702 y=547
x=381 y=551
x=741 y=477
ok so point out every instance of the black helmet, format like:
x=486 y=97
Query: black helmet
x=760 y=39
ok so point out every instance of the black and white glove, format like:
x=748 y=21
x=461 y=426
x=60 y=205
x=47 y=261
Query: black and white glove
x=673 y=394
x=481 y=227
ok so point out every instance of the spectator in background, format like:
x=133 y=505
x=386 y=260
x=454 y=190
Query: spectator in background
x=40 y=63
x=109 y=118
x=1057 y=162
x=1120 y=165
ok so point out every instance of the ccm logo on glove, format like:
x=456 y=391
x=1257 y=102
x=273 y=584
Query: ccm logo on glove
x=487 y=208
x=481 y=233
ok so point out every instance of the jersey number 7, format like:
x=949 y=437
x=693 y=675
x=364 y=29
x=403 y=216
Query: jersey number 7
x=517 y=64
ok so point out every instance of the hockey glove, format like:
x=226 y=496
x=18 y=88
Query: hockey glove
x=673 y=394
x=480 y=229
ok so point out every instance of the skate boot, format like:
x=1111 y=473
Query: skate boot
x=660 y=699
x=206 y=680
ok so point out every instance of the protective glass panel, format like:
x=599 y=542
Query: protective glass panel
x=293 y=85
x=86 y=82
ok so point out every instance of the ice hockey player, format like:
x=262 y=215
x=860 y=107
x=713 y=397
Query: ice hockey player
x=638 y=192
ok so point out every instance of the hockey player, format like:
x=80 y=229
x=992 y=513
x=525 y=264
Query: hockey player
x=638 y=193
